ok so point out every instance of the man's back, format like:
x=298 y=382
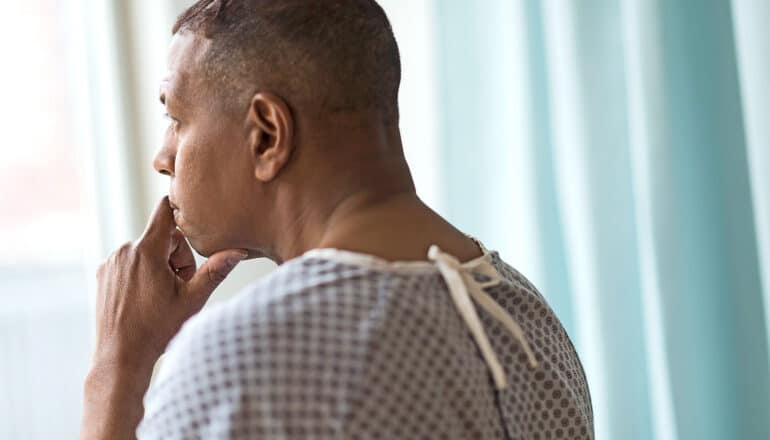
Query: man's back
x=284 y=137
x=338 y=344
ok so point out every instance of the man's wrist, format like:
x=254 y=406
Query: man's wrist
x=110 y=383
x=126 y=361
x=124 y=376
x=113 y=395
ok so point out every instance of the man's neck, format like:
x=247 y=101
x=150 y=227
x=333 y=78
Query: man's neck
x=351 y=189
x=395 y=227
x=399 y=228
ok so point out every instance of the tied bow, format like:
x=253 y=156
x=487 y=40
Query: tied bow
x=463 y=286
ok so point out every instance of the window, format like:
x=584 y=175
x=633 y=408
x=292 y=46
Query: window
x=45 y=328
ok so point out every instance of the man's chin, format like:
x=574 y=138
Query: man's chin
x=207 y=250
x=201 y=249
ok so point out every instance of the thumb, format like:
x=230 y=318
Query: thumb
x=213 y=272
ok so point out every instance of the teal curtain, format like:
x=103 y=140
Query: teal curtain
x=616 y=151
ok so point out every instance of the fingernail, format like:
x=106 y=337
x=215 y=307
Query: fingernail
x=232 y=260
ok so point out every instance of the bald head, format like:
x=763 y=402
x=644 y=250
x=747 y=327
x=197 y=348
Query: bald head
x=331 y=56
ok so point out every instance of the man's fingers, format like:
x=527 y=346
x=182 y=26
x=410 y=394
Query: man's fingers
x=160 y=227
x=181 y=258
x=213 y=272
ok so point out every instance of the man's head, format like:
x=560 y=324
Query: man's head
x=329 y=56
x=257 y=94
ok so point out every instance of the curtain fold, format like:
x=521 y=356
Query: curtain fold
x=647 y=127
x=706 y=240
x=616 y=149
x=751 y=18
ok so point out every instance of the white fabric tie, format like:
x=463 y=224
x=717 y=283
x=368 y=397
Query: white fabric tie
x=463 y=287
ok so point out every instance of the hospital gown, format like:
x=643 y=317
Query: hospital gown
x=338 y=344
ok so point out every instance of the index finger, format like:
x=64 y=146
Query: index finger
x=160 y=227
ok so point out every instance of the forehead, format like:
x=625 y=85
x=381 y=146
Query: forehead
x=185 y=58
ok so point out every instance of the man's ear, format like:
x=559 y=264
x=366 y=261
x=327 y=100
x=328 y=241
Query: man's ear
x=270 y=126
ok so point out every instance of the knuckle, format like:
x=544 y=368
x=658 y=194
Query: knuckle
x=125 y=248
x=120 y=252
x=104 y=265
x=217 y=276
x=125 y=251
x=141 y=245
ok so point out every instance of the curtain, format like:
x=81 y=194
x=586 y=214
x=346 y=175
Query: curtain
x=618 y=153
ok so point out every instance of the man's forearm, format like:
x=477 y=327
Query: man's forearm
x=112 y=407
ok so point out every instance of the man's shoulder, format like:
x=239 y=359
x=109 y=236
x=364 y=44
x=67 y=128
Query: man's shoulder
x=295 y=290
x=300 y=301
x=293 y=337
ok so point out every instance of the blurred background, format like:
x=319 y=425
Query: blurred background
x=615 y=151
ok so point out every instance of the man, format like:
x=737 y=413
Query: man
x=283 y=143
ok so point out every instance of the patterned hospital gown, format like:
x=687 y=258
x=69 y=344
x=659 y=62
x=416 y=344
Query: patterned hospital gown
x=337 y=344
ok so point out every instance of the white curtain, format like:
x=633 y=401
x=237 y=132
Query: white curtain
x=617 y=152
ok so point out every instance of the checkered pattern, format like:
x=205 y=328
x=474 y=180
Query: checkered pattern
x=336 y=344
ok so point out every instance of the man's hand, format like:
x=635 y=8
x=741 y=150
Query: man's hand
x=146 y=290
x=149 y=288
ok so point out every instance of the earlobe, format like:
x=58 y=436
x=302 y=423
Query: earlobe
x=271 y=135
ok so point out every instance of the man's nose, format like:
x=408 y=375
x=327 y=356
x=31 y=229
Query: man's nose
x=164 y=162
